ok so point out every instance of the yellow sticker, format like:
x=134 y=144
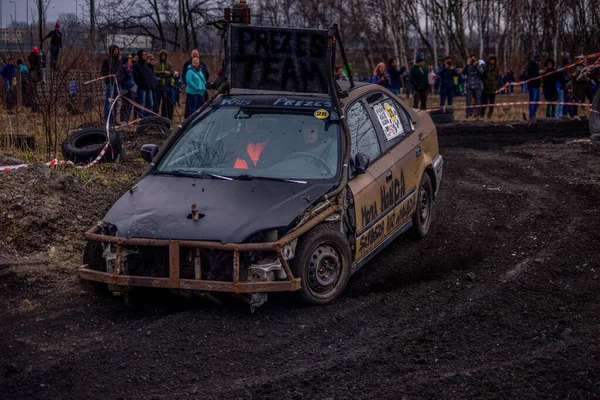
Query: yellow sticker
x=321 y=114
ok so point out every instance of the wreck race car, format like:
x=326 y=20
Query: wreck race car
x=251 y=196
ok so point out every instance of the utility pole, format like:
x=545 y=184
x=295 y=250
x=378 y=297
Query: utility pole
x=92 y=18
x=40 y=21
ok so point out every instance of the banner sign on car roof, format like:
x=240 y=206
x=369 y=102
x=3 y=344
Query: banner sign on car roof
x=265 y=58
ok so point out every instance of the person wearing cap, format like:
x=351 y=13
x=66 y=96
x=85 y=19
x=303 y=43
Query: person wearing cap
x=472 y=74
x=56 y=42
x=533 y=72
x=490 y=79
x=445 y=82
x=419 y=82
x=35 y=76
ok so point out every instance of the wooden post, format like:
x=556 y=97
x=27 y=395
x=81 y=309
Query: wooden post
x=19 y=88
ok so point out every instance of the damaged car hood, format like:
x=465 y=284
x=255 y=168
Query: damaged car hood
x=159 y=207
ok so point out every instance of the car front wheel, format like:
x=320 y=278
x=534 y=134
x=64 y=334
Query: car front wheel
x=322 y=263
x=424 y=211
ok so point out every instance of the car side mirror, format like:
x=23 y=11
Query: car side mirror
x=361 y=163
x=149 y=151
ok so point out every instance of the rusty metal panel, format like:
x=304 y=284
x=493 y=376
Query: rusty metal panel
x=174 y=277
x=285 y=266
x=236 y=266
x=189 y=284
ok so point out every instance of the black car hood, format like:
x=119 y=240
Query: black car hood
x=160 y=206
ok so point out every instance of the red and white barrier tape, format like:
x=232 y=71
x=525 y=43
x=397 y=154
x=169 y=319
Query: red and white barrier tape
x=141 y=107
x=583 y=59
x=99 y=79
x=106 y=145
x=49 y=164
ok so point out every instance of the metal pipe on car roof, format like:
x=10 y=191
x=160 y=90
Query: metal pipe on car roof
x=336 y=103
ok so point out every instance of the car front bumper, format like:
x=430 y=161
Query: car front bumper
x=174 y=280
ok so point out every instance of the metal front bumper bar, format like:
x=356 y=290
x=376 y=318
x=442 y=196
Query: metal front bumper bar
x=174 y=280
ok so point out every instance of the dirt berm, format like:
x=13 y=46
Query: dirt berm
x=500 y=301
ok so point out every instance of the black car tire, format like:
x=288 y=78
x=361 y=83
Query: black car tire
x=324 y=249
x=84 y=145
x=442 y=118
x=92 y=256
x=424 y=211
x=152 y=128
x=443 y=110
x=156 y=120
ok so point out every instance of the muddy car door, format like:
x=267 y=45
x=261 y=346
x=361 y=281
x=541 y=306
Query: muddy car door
x=364 y=185
x=398 y=172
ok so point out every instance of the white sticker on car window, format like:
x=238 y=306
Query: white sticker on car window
x=388 y=118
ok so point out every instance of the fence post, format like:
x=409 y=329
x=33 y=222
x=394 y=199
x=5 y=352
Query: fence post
x=19 y=87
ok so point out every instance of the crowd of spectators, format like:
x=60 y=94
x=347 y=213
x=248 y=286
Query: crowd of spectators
x=479 y=81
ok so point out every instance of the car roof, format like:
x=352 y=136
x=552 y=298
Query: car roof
x=267 y=97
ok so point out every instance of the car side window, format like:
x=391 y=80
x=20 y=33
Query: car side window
x=362 y=131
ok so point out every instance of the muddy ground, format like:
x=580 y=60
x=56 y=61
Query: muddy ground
x=502 y=299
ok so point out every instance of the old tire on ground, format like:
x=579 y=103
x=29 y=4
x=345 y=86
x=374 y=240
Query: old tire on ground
x=156 y=120
x=595 y=116
x=443 y=110
x=322 y=263
x=92 y=256
x=152 y=128
x=442 y=118
x=84 y=145
x=424 y=211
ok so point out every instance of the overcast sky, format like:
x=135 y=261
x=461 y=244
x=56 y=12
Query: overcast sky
x=56 y=7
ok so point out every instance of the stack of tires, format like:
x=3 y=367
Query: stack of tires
x=443 y=115
x=84 y=145
x=154 y=124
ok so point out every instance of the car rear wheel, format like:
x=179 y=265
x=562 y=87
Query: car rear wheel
x=322 y=263
x=424 y=212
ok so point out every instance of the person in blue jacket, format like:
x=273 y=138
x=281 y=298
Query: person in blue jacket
x=195 y=87
x=395 y=76
x=445 y=83
x=8 y=72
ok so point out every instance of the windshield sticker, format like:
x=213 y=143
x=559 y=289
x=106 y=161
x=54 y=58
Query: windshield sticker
x=234 y=102
x=389 y=120
x=282 y=101
x=321 y=114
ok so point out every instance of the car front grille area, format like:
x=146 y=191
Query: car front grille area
x=194 y=263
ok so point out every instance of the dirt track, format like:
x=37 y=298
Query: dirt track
x=502 y=300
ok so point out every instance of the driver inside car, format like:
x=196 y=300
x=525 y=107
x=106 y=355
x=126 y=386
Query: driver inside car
x=315 y=142
x=254 y=141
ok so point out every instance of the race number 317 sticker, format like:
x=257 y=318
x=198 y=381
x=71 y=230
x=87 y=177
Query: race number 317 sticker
x=321 y=114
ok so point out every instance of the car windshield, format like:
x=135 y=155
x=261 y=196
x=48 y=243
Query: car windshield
x=253 y=142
